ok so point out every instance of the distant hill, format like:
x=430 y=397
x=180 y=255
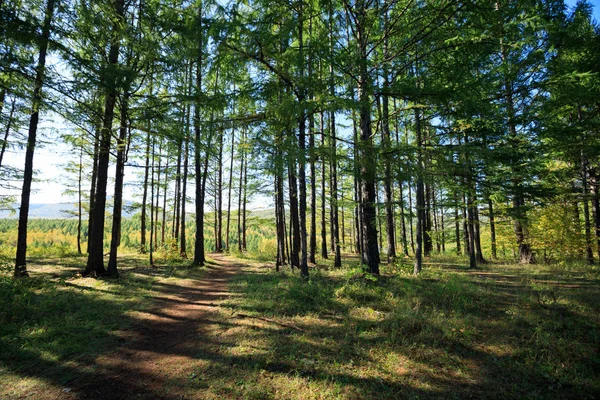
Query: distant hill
x=68 y=211
x=54 y=210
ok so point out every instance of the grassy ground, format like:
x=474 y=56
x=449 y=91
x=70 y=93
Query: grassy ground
x=56 y=323
x=502 y=331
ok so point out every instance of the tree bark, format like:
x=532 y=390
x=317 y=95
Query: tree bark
x=367 y=159
x=324 y=252
x=230 y=186
x=7 y=131
x=21 y=256
x=115 y=240
x=420 y=206
x=95 y=262
x=586 y=212
x=199 y=242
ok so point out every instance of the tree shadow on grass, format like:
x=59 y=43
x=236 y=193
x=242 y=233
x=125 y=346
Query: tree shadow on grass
x=444 y=338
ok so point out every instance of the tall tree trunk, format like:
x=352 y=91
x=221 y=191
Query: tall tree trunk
x=157 y=200
x=434 y=209
x=465 y=219
x=367 y=161
x=479 y=251
x=164 y=205
x=145 y=192
x=95 y=262
x=403 y=219
x=151 y=259
x=335 y=226
x=312 y=246
x=245 y=200
x=79 y=198
x=199 y=242
x=595 y=206
x=186 y=158
x=21 y=256
x=586 y=212
x=324 y=252
x=177 y=205
x=93 y=180
x=219 y=205
x=302 y=150
x=470 y=204
x=294 y=217
x=492 y=227
x=427 y=233
x=230 y=186
x=387 y=178
x=420 y=206
x=115 y=240
x=241 y=181
x=457 y=223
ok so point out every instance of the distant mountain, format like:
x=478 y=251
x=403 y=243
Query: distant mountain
x=56 y=210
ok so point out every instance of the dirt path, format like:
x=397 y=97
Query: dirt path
x=160 y=353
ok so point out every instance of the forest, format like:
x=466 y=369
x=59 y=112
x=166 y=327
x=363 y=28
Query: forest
x=420 y=163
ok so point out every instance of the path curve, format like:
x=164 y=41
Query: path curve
x=159 y=353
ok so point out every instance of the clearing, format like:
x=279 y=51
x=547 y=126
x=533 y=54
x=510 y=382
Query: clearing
x=237 y=329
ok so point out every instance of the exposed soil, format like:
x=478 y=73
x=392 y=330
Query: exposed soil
x=160 y=352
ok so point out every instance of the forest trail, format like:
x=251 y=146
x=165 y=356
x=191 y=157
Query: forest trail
x=160 y=353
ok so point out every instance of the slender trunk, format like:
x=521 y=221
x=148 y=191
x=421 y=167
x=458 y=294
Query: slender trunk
x=177 y=205
x=157 y=200
x=312 y=246
x=93 y=180
x=186 y=158
x=479 y=251
x=219 y=205
x=199 y=242
x=230 y=186
x=387 y=179
x=323 y=192
x=21 y=256
x=115 y=240
x=164 y=205
x=335 y=227
x=95 y=263
x=438 y=244
x=245 y=201
x=492 y=227
x=595 y=207
x=294 y=217
x=470 y=204
x=586 y=212
x=241 y=179
x=465 y=225
x=145 y=192
x=7 y=131
x=427 y=234
x=367 y=159
x=403 y=220
x=79 y=198
x=457 y=224
x=418 y=265
x=471 y=223
x=152 y=204
x=357 y=190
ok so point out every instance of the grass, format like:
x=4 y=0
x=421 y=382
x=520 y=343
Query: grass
x=54 y=324
x=501 y=331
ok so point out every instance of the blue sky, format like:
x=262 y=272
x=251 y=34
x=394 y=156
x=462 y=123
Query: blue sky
x=595 y=3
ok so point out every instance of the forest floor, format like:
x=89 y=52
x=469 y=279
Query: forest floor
x=236 y=329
